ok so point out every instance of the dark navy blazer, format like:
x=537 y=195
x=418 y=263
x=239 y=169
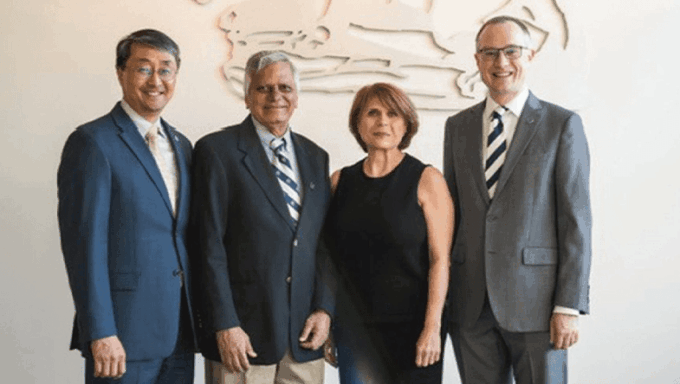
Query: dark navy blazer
x=259 y=271
x=124 y=250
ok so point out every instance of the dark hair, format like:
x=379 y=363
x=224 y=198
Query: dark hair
x=391 y=97
x=150 y=37
x=501 y=20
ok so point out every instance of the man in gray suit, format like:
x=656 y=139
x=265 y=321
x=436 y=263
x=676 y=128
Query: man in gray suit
x=518 y=169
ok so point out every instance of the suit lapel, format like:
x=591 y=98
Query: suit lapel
x=257 y=163
x=476 y=133
x=182 y=169
x=130 y=135
x=525 y=131
x=307 y=176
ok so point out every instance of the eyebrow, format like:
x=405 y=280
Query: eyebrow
x=145 y=60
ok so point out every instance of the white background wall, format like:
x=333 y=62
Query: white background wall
x=57 y=71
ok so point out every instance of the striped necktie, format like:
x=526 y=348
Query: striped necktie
x=286 y=177
x=496 y=150
x=168 y=173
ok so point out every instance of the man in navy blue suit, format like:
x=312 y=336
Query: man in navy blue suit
x=123 y=211
x=259 y=201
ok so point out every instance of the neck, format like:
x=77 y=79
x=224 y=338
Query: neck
x=381 y=162
x=277 y=130
x=503 y=98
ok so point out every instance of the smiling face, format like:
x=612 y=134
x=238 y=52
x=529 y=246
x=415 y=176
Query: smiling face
x=381 y=127
x=504 y=77
x=272 y=97
x=148 y=80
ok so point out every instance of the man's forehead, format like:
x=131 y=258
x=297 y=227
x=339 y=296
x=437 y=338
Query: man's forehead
x=142 y=52
x=281 y=73
x=505 y=33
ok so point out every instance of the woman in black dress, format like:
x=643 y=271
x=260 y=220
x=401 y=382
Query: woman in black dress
x=390 y=229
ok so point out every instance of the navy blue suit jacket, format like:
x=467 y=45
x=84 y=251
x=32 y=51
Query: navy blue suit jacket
x=259 y=271
x=124 y=250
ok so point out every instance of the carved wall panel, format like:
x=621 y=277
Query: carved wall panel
x=341 y=45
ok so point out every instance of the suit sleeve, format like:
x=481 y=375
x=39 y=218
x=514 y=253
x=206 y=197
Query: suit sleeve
x=210 y=204
x=449 y=173
x=325 y=282
x=573 y=217
x=84 y=191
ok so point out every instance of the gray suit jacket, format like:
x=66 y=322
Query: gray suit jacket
x=529 y=247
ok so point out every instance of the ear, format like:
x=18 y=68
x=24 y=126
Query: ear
x=478 y=60
x=246 y=98
x=530 y=55
x=119 y=73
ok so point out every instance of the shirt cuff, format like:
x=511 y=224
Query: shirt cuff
x=566 y=311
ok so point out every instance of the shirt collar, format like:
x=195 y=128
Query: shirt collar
x=143 y=125
x=515 y=105
x=266 y=136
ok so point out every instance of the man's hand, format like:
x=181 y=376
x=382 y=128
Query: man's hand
x=428 y=347
x=563 y=330
x=316 y=330
x=109 y=357
x=234 y=346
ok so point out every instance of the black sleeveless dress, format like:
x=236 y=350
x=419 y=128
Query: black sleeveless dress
x=378 y=237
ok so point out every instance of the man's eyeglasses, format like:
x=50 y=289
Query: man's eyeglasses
x=511 y=52
x=165 y=74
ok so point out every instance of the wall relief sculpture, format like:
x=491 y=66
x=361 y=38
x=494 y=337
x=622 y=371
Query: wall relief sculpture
x=341 y=45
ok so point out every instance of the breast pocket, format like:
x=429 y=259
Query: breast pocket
x=539 y=256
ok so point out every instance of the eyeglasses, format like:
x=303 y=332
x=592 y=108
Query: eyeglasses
x=166 y=74
x=511 y=52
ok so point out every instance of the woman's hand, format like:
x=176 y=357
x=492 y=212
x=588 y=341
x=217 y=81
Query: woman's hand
x=428 y=347
x=329 y=352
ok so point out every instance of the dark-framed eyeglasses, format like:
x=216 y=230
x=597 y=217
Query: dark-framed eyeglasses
x=511 y=52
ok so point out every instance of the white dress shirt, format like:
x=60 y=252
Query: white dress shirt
x=163 y=141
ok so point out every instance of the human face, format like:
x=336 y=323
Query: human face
x=148 y=80
x=504 y=77
x=381 y=127
x=272 y=97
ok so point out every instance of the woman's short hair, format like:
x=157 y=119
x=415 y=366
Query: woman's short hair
x=391 y=97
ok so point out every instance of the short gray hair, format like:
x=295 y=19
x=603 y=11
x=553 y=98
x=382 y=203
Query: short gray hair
x=260 y=60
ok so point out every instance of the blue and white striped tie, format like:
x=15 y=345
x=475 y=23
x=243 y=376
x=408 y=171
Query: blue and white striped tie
x=496 y=150
x=286 y=177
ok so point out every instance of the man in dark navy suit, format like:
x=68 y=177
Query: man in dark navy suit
x=123 y=212
x=259 y=201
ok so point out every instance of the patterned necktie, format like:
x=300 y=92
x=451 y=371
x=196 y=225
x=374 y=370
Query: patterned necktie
x=286 y=177
x=169 y=175
x=496 y=150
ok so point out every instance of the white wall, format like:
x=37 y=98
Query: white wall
x=57 y=71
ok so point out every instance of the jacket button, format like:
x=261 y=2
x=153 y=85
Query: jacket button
x=288 y=279
x=295 y=242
